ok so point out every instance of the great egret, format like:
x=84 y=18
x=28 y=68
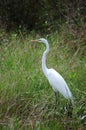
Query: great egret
x=55 y=79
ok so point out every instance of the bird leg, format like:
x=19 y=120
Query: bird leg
x=70 y=109
x=57 y=97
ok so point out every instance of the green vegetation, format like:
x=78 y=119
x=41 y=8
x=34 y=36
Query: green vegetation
x=26 y=98
x=44 y=15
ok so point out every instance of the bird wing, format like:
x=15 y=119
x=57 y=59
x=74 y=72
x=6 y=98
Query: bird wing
x=58 y=83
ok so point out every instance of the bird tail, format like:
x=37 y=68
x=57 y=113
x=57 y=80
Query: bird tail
x=70 y=96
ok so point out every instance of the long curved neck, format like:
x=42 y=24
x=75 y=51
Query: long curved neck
x=44 y=67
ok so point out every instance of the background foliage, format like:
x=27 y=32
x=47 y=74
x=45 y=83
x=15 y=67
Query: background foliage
x=40 y=14
x=47 y=16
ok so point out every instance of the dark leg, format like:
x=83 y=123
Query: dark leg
x=70 y=109
x=57 y=97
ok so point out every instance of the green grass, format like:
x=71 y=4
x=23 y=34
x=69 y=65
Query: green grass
x=26 y=98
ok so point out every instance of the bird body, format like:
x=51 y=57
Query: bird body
x=58 y=83
x=55 y=79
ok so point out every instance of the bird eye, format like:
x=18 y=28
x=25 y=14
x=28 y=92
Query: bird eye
x=40 y=40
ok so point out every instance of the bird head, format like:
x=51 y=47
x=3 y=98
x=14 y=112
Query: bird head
x=42 y=40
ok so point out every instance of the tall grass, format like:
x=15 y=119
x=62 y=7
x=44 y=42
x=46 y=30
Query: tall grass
x=26 y=98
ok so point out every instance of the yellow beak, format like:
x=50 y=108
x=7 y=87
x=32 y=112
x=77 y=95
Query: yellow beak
x=34 y=40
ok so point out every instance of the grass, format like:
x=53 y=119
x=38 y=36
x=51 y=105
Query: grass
x=26 y=98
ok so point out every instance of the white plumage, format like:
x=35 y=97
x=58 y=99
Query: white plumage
x=55 y=79
x=58 y=83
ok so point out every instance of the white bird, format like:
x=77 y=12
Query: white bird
x=55 y=79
